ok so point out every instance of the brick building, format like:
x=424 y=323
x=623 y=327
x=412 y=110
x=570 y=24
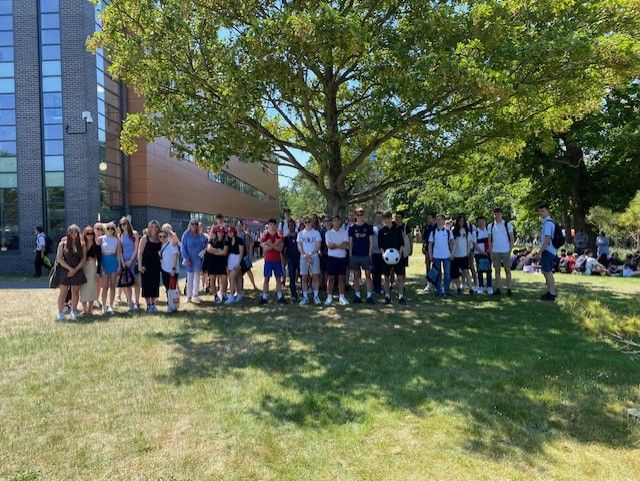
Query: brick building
x=51 y=160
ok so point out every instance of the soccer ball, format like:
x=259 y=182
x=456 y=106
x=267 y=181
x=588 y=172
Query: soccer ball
x=391 y=256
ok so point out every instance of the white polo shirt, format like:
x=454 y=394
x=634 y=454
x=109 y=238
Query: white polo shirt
x=499 y=233
x=440 y=239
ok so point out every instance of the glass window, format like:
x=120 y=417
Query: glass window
x=53 y=132
x=6 y=22
x=7 y=149
x=54 y=179
x=52 y=116
x=6 y=38
x=51 y=84
x=8 y=164
x=51 y=52
x=8 y=180
x=7 y=133
x=6 y=54
x=53 y=147
x=51 y=67
x=47 y=6
x=7 y=117
x=50 y=37
x=6 y=69
x=6 y=7
x=54 y=163
x=52 y=100
x=7 y=86
x=7 y=101
x=49 y=20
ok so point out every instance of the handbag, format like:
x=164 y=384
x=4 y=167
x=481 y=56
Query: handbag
x=126 y=278
x=54 y=276
x=173 y=295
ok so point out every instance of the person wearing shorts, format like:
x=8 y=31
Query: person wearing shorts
x=337 y=240
x=360 y=252
x=309 y=243
x=502 y=240
x=548 y=252
x=390 y=237
x=271 y=243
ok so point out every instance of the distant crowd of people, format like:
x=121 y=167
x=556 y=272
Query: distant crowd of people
x=313 y=255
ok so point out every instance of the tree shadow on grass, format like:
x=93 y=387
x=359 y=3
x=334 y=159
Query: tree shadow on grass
x=518 y=370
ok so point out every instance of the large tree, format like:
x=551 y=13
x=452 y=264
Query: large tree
x=382 y=90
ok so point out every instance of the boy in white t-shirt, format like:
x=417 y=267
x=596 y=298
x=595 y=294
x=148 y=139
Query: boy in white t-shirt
x=309 y=243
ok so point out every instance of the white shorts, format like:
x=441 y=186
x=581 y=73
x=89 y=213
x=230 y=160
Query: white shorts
x=233 y=261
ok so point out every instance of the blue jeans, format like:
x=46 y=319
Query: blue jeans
x=443 y=265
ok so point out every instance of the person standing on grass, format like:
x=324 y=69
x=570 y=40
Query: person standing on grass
x=192 y=248
x=71 y=257
x=292 y=254
x=547 y=252
x=441 y=246
x=169 y=256
x=481 y=252
x=429 y=227
x=149 y=264
x=112 y=262
x=130 y=241
x=337 y=240
x=40 y=250
x=390 y=237
x=360 y=252
x=88 y=294
x=309 y=243
x=272 y=244
x=502 y=240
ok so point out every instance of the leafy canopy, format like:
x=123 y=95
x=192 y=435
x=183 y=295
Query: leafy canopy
x=386 y=89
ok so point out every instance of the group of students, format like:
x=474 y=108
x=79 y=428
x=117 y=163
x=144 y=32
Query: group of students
x=93 y=263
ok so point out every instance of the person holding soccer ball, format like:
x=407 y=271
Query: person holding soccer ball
x=390 y=237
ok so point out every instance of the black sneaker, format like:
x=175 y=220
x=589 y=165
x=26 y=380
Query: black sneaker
x=263 y=301
x=357 y=300
x=282 y=300
x=402 y=301
x=387 y=300
x=370 y=300
x=509 y=293
x=497 y=292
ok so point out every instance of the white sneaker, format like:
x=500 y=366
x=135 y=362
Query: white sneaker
x=60 y=316
x=110 y=310
x=343 y=301
x=328 y=301
x=317 y=300
x=304 y=301
x=490 y=291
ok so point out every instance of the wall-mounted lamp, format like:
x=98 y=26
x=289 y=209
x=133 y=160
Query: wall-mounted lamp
x=88 y=119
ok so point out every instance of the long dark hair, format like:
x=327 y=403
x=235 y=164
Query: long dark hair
x=456 y=227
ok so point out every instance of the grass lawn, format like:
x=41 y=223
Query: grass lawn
x=455 y=389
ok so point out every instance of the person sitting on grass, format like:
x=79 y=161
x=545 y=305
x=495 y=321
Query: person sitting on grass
x=592 y=267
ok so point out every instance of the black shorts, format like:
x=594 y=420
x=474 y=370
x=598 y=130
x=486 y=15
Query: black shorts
x=399 y=269
x=336 y=266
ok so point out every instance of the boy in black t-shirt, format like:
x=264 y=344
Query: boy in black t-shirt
x=390 y=237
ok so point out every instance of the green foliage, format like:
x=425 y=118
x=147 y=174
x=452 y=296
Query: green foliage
x=381 y=91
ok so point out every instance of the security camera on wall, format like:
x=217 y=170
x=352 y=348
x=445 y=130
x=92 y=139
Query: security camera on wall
x=86 y=116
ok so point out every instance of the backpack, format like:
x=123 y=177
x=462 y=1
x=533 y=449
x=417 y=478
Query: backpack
x=48 y=244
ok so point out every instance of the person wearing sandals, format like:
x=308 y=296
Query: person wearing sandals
x=112 y=262
x=130 y=243
x=71 y=257
x=149 y=264
x=88 y=294
x=169 y=254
